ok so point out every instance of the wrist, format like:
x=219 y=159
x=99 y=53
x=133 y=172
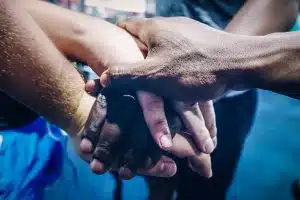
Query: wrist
x=81 y=115
x=266 y=61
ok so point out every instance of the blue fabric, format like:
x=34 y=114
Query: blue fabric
x=31 y=158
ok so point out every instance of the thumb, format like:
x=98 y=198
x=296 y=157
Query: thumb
x=141 y=29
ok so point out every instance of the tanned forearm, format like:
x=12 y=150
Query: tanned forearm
x=33 y=72
x=71 y=31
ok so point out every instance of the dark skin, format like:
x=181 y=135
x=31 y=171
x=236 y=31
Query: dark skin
x=123 y=145
x=37 y=75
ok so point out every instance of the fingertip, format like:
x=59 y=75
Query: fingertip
x=105 y=79
x=90 y=86
x=86 y=146
x=169 y=168
x=201 y=165
x=165 y=141
x=208 y=146
x=125 y=173
x=97 y=167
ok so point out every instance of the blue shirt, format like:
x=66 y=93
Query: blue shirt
x=31 y=158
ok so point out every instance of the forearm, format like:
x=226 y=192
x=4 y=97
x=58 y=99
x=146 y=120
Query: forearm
x=258 y=17
x=261 y=18
x=71 y=31
x=36 y=74
x=269 y=62
x=64 y=27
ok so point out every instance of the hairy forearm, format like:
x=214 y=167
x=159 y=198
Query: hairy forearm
x=33 y=72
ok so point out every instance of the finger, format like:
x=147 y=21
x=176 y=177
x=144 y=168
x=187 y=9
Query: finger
x=194 y=122
x=90 y=86
x=138 y=143
x=93 y=125
x=119 y=118
x=208 y=112
x=183 y=146
x=126 y=173
x=105 y=149
x=93 y=87
x=143 y=48
x=165 y=167
x=155 y=118
x=201 y=164
x=137 y=27
x=104 y=79
x=76 y=140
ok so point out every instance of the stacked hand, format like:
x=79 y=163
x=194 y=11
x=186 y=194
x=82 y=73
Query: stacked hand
x=186 y=60
x=111 y=137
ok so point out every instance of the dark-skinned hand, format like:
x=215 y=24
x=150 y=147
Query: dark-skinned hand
x=122 y=142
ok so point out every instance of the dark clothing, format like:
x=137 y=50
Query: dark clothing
x=215 y=13
x=234 y=115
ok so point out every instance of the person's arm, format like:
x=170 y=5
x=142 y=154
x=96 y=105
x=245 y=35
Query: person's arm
x=258 y=17
x=83 y=37
x=102 y=45
x=272 y=63
x=187 y=67
x=33 y=72
x=263 y=17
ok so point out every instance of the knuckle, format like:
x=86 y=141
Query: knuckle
x=102 y=153
x=110 y=134
x=160 y=122
x=211 y=127
x=153 y=104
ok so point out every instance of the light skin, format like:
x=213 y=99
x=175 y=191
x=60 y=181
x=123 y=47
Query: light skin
x=36 y=74
x=68 y=104
x=65 y=27
x=73 y=35
x=267 y=20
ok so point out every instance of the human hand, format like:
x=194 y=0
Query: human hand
x=103 y=147
x=186 y=60
x=117 y=144
x=106 y=54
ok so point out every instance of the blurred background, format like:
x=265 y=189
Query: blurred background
x=270 y=160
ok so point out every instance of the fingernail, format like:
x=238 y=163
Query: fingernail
x=165 y=141
x=86 y=146
x=169 y=169
x=215 y=141
x=209 y=146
